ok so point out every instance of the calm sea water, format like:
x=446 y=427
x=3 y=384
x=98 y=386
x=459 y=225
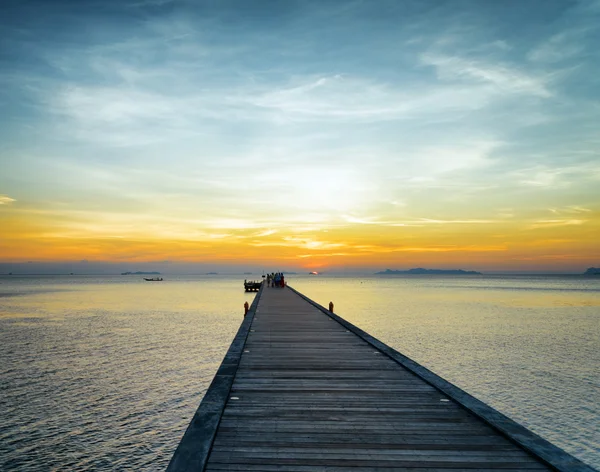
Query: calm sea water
x=104 y=373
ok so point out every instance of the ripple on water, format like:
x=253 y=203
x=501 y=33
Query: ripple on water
x=112 y=384
x=105 y=374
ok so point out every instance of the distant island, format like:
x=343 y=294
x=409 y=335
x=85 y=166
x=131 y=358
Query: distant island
x=420 y=271
x=247 y=273
x=140 y=273
x=592 y=271
x=212 y=273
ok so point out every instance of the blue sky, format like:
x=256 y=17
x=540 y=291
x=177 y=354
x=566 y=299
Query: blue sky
x=198 y=120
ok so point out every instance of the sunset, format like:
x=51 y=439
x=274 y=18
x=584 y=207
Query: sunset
x=299 y=235
x=306 y=135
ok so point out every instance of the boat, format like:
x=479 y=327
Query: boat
x=252 y=286
x=155 y=279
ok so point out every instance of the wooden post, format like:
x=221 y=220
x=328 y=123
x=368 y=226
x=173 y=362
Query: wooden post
x=245 y=308
x=331 y=307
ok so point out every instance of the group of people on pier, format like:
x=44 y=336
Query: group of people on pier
x=276 y=279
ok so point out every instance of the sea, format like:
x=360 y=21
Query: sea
x=104 y=373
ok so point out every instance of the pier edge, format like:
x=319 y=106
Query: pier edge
x=550 y=454
x=195 y=445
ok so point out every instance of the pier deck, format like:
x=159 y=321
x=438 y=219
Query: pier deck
x=309 y=394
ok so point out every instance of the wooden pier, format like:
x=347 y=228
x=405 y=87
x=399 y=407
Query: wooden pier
x=302 y=390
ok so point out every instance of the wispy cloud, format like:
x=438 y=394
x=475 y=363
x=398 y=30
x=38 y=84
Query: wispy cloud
x=125 y=116
x=206 y=125
x=416 y=222
x=361 y=251
x=262 y=234
x=333 y=97
x=362 y=99
x=559 y=176
x=297 y=242
x=556 y=223
x=561 y=46
x=569 y=210
x=576 y=38
x=6 y=200
x=454 y=248
x=502 y=78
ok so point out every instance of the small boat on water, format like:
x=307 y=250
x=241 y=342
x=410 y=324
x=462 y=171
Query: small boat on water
x=155 y=279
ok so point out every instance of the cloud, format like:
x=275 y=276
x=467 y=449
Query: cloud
x=140 y=113
x=6 y=200
x=575 y=35
x=556 y=223
x=559 y=176
x=428 y=162
x=262 y=234
x=362 y=99
x=126 y=116
x=559 y=47
x=453 y=248
x=416 y=222
x=454 y=222
x=304 y=243
x=121 y=95
x=374 y=249
x=203 y=126
x=503 y=78
x=574 y=209
x=334 y=96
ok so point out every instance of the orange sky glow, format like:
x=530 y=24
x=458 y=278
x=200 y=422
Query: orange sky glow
x=565 y=243
x=346 y=136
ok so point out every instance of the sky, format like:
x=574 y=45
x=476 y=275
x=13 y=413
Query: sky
x=310 y=135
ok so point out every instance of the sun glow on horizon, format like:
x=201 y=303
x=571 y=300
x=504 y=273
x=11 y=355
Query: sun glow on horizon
x=493 y=244
x=345 y=138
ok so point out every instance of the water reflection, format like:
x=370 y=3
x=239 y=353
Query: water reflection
x=105 y=373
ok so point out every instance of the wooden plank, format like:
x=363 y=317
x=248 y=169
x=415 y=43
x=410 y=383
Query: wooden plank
x=311 y=393
x=543 y=450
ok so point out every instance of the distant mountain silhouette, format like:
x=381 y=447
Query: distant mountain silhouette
x=140 y=273
x=420 y=271
x=592 y=271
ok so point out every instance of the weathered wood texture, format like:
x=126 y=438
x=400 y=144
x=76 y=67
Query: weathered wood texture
x=311 y=395
x=538 y=446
